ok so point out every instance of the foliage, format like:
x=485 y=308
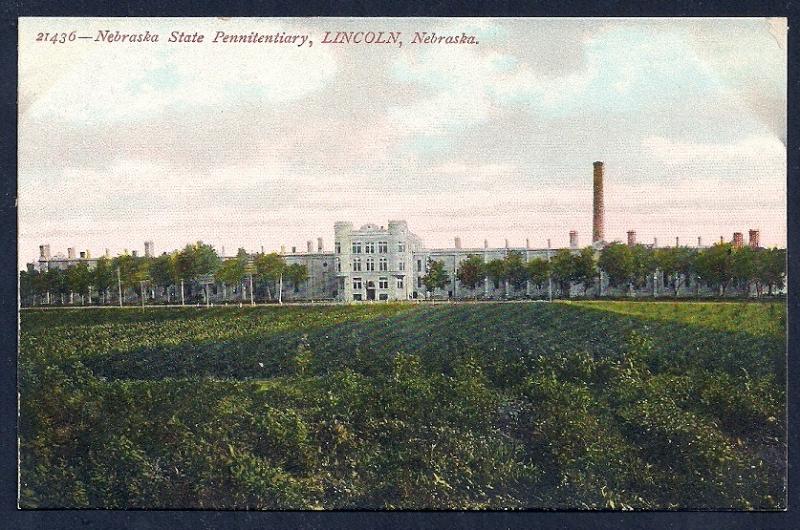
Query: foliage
x=590 y=405
x=435 y=277
x=538 y=272
x=471 y=272
x=497 y=271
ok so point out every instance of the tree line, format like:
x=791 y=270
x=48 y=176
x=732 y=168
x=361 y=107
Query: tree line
x=178 y=277
x=625 y=268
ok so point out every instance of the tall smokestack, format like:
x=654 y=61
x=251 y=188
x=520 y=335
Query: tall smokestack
x=677 y=241
x=755 y=239
x=597 y=220
x=527 y=243
x=699 y=241
x=485 y=243
x=320 y=246
x=573 y=239
x=738 y=240
x=655 y=242
x=631 y=238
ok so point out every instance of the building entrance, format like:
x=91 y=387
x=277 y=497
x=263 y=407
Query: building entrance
x=370 y=290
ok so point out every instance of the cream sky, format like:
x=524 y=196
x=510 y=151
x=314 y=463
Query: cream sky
x=255 y=144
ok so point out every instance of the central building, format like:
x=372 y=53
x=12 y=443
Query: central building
x=375 y=262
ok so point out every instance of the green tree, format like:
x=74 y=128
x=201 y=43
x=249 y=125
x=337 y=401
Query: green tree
x=270 y=269
x=773 y=270
x=103 y=276
x=471 y=272
x=296 y=274
x=584 y=268
x=497 y=272
x=538 y=272
x=79 y=279
x=231 y=272
x=562 y=267
x=616 y=260
x=515 y=270
x=677 y=264
x=161 y=272
x=26 y=290
x=715 y=266
x=744 y=269
x=436 y=277
x=644 y=265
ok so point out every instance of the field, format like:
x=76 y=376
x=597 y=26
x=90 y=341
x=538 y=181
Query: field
x=584 y=405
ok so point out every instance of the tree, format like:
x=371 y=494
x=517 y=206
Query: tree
x=616 y=260
x=26 y=282
x=103 y=276
x=195 y=261
x=56 y=281
x=270 y=268
x=744 y=269
x=643 y=265
x=161 y=272
x=230 y=272
x=584 y=268
x=515 y=270
x=471 y=272
x=562 y=267
x=677 y=264
x=436 y=277
x=79 y=278
x=774 y=268
x=496 y=271
x=538 y=272
x=296 y=273
x=715 y=266
x=141 y=275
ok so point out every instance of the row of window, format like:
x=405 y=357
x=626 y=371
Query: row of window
x=369 y=247
x=383 y=265
x=383 y=283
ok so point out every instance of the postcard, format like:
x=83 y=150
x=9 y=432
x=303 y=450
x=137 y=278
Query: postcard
x=402 y=263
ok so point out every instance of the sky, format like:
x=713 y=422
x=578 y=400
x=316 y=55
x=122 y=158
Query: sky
x=251 y=145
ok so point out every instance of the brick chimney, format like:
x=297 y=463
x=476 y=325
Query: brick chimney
x=738 y=240
x=755 y=238
x=598 y=208
x=573 y=239
x=631 y=238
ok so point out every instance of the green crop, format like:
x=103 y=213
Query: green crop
x=588 y=405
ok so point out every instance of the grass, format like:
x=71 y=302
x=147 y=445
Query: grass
x=575 y=405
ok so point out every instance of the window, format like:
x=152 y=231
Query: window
x=401 y=266
x=338 y=265
x=383 y=264
x=401 y=246
x=419 y=265
x=356 y=247
x=400 y=283
x=419 y=282
x=383 y=247
x=356 y=296
x=383 y=296
x=383 y=283
x=356 y=284
x=369 y=247
x=356 y=264
x=338 y=247
x=370 y=264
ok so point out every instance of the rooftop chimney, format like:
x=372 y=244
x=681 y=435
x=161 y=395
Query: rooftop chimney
x=320 y=246
x=283 y=249
x=83 y=254
x=677 y=241
x=699 y=241
x=88 y=254
x=135 y=253
x=44 y=251
x=573 y=239
x=655 y=242
x=597 y=219
x=485 y=243
x=457 y=242
x=548 y=243
x=527 y=243
x=755 y=239
x=294 y=249
x=108 y=253
x=631 y=238
x=738 y=240
x=506 y=243
x=148 y=249
x=71 y=253
x=310 y=246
